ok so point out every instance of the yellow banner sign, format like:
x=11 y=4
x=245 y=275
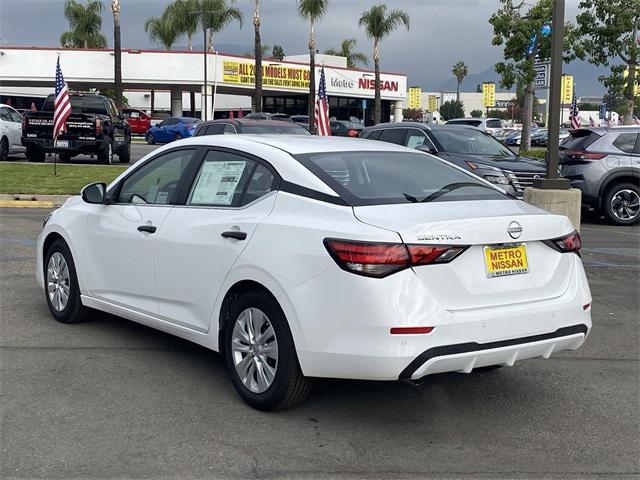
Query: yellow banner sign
x=567 y=89
x=488 y=94
x=414 y=97
x=272 y=75
x=433 y=103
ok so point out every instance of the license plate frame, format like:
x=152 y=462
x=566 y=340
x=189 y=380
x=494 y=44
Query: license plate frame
x=515 y=254
x=62 y=144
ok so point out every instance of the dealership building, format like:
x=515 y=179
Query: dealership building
x=173 y=81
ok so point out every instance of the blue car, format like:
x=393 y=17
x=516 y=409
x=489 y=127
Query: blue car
x=172 y=128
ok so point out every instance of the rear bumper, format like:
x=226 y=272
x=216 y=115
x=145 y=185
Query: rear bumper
x=76 y=146
x=346 y=328
x=464 y=357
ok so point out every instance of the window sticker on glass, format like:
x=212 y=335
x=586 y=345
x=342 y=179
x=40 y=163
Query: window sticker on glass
x=217 y=183
x=415 y=141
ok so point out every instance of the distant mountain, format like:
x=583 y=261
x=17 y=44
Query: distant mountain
x=231 y=48
x=585 y=78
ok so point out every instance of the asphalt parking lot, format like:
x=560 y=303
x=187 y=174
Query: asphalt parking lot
x=113 y=399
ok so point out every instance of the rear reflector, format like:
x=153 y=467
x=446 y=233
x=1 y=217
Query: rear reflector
x=382 y=259
x=586 y=307
x=568 y=243
x=353 y=133
x=410 y=330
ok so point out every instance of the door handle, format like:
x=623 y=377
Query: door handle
x=147 y=228
x=234 y=234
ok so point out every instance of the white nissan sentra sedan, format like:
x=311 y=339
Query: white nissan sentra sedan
x=301 y=257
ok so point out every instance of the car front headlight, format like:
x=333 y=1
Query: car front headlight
x=497 y=179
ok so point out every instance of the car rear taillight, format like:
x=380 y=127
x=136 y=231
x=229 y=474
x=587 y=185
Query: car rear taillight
x=382 y=259
x=24 y=123
x=353 y=133
x=581 y=155
x=568 y=243
x=98 y=126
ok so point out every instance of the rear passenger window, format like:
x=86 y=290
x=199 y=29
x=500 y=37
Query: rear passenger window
x=229 y=129
x=494 y=124
x=373 y=135
x=215 y=129
x=394 y=135
x=229 y=180
x=626 y=142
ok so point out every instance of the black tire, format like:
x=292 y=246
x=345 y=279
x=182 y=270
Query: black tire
x=125 y=154
x=150 y=139
x=4 y=149
x=106 y=154
x=35 y=154
x=629 y=212
x=289 y=386
x=74 y=312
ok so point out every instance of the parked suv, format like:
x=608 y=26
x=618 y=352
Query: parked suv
x=466 y=147
x=489 y=125
x=605 y=164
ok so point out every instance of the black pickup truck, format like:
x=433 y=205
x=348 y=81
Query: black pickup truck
x=95 y=127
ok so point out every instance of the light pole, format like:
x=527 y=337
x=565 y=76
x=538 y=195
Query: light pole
x=557 y=34
x=201 y=14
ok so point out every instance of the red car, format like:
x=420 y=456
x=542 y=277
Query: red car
x=139 y=121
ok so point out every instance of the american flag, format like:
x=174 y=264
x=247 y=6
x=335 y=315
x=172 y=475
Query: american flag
x=321 y=113
x=62 y=105
x=574 y=112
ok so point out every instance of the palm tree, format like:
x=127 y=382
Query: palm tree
x=85 y=21
x=185 y=19
x=459 y=71
x=162 y=30
x=346 y=50
x=117 y=53
x=257 y=97
x=378 y=23
x=217 y=15
x=312 y=10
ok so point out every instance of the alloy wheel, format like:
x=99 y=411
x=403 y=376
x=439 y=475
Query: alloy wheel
x=58 y=281
x=254 y=349
x=625 y=204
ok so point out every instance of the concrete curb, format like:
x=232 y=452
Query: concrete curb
x=32 y=201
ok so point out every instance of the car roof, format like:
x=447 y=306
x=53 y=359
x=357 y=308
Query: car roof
x=248 y=122
x=423 y=126
x=614 y=129
x=278 y=151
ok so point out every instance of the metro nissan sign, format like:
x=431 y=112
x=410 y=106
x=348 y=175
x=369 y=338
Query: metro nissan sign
x=362 y=84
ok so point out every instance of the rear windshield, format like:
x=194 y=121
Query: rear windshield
x=472 y=123
x=579 y=140
x=378 y=178
x=286 y=129
x=80 y=104
x=472 y=142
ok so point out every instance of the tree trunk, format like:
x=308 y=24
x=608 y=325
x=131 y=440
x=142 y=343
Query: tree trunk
x=210 y=46
x=527 y=115
x=257 y=97
x=153 y=101
x=377 y=102
x=117 y=55
x=190 y=42
x=631 y=78
x=458 y=92
x=312 y=81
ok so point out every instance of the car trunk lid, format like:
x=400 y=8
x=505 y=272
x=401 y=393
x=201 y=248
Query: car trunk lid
x=464 y=283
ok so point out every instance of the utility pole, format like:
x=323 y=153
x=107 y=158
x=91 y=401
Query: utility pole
x=557 y=34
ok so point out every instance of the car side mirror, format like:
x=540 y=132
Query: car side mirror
x=95 y=193
x=428 y=149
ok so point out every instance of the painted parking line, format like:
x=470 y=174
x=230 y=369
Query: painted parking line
x=26 y=204
x=610 y=230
